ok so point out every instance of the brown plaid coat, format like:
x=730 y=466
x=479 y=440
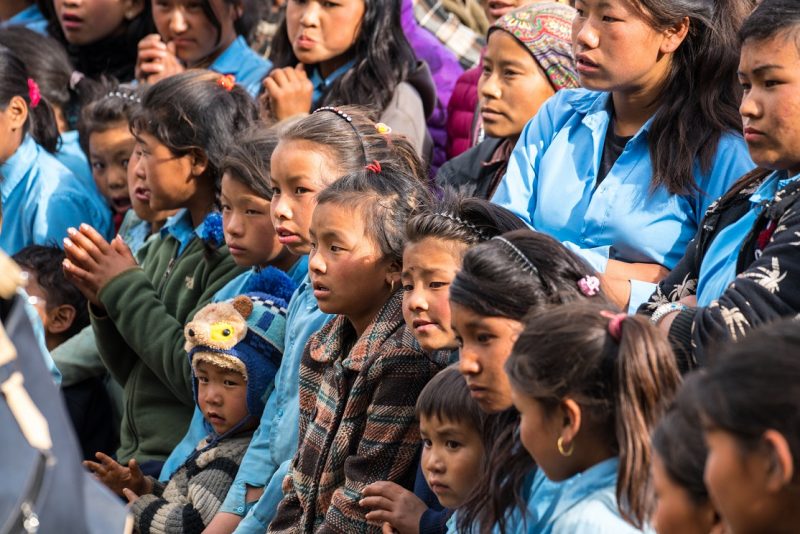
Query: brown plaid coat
x=357 y=422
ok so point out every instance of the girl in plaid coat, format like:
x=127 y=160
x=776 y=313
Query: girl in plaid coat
x=361 y=373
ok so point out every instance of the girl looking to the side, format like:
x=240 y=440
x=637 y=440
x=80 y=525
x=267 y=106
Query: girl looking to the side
x=590 y=386
x=622 y=170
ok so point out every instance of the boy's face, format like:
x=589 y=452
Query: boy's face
x=109 y=154
x=299 y=170
x=452 y=455
x=221 y=396
x=56 y=319
x=139 y=191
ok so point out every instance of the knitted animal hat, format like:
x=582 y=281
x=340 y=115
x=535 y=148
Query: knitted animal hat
x=244 y=335
x=545 y=29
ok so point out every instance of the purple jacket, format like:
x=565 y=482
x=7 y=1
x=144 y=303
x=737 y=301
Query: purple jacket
x=445 y=68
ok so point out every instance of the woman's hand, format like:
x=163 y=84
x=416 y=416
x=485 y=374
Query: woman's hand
x=398 y=509
x=92 y=262
x=156 y=60
x=118 y=477
x=287 y=92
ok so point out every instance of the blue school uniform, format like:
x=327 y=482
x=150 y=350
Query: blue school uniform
x=322 y=83
x=247 y=67
x=71 y=155
x=197 y=428
x=718 y=269
x=273 y=445
x=551 y=184
x=30 y=17
x=41 y=199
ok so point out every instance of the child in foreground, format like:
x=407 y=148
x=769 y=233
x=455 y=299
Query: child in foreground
x=590 y=386
x=361 y=374
x=234 y=348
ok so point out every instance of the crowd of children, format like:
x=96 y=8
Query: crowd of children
x=288 y=293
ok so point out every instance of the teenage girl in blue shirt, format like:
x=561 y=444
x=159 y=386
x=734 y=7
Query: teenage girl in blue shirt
x=40 y=197
x=622 y=170
x=200 y=34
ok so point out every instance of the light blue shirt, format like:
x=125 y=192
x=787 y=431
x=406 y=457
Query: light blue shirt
x=180 y=227
x=551 y=178
x=247 y=67
x=71 y=155
x=718 y=269
x=197 y=428
x=41 y=199
x=583 y=504
x=275 y=441
x=322 y=84
x=30 y=17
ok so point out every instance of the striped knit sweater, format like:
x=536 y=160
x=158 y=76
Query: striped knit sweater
x=357 y=422
x=194 y=493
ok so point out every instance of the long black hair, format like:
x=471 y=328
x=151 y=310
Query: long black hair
x=498 y=281
x=14 y=81
x=699 y=101
x=383 y=58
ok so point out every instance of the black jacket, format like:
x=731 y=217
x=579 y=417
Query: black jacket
x=765 y=288
x=467 y=173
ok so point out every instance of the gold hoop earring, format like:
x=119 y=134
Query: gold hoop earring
x=392 y=288
x=561 y=451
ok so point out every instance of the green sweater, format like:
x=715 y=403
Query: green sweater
x=141 y=340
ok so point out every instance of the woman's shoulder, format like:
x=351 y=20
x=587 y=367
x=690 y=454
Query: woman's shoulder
x=596 y=513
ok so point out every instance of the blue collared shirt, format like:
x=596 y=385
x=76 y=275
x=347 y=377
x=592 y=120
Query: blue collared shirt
x=41 y=199
x=180 y=227
x=718 y=269
x=275 y=441
x=247 y=67
x=197 y=428
x=551 y=178
x=71 y=155
x=30 y=17
x=322 y=84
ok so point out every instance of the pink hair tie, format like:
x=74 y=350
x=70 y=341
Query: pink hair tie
x=589 y=285
x=375 y=166
x=33 y=93
x=614 y=323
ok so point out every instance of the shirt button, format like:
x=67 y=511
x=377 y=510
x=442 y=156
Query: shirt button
x=240 y=509
x=280 y=412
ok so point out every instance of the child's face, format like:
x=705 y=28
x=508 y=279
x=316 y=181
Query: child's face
x=88 y=21
x=452 y=454
x=221 y=396
x=139 y=191
x=299 y=170
x=246 y=221
x=109 y=154
x=170 y=178
x=739 y=484
x=429 y=266
x=322 y=32
x=485 y=345
x=539 y=430
x=676 y=512
x=512 y=86
x=349 y=274
x=185 y=24
x=769 y=72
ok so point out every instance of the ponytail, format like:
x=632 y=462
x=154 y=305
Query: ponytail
x=647 y=377
x=15 y=81
x=620 y=371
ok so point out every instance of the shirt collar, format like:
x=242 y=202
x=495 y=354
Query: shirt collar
x=771 y=185
x=595 y=106
x=598 y=477
x=180 y=227
x=229 y=61
x=17 y=167
x=322 y=84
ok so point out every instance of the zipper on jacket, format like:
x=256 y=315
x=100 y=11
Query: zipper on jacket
x=168 y=270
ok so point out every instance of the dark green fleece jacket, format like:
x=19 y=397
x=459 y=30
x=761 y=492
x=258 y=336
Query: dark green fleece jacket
x=141 y=340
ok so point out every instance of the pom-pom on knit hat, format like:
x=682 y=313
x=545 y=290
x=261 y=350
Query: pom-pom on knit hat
x=245 y=335
x=545 y=29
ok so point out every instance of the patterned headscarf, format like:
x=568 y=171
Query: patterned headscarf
x=545 y=29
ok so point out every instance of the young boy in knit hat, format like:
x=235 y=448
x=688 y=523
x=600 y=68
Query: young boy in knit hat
x=235 y=348
x=528 y=58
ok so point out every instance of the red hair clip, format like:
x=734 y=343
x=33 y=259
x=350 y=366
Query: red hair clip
x=34 y=95
x=614 y=323
x=227 y=81
x=375 y=166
